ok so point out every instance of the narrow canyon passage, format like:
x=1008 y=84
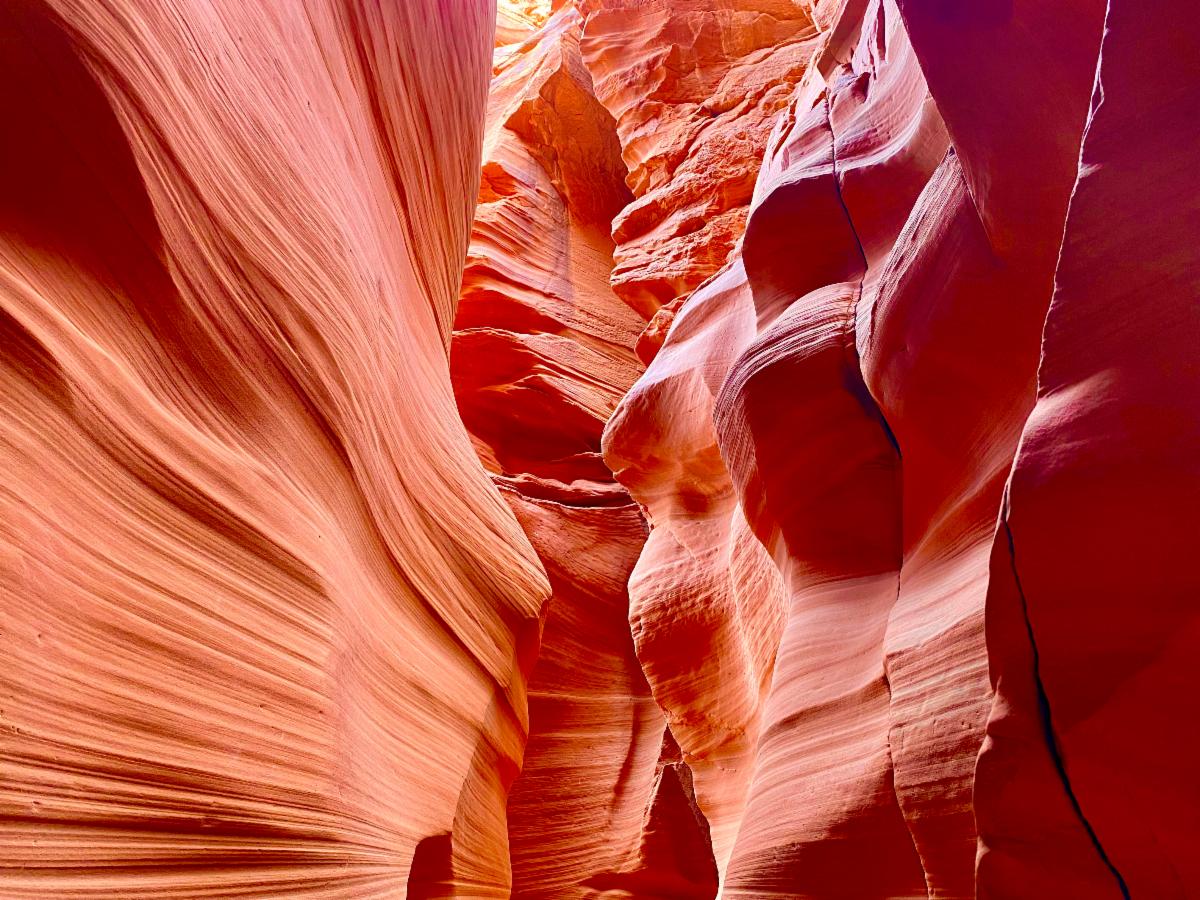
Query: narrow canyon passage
x=563 y=449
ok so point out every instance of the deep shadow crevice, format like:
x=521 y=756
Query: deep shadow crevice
x=1047 y=720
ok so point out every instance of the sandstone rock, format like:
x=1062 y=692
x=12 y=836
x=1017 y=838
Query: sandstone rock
x=262 y=609
x=818 y=470
x=705 y=600
x=950 y=352
x=519 y=20
x=1095 y=525
x=694 y=87
x=542 y=354
x=576 y=811
x=789 y=497
x=543 y=350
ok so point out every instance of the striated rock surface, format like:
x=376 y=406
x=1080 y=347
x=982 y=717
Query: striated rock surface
x=694 y=87
x=899 y=257
x=264 y=617
x=543 y=352
x=693 y=116
x=818 y=472
x=705 y=599
x=576 y=811
x=950 y=353
x=720 y=448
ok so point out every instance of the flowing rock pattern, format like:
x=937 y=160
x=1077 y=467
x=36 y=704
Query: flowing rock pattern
x=263 y=614
x=900 y=292
x=705 y=599
x=543 y=353
x=694 y=87
x=788 y=497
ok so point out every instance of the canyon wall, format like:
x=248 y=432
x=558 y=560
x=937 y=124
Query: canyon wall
x=542 y=353
x=266 y=623
x=598 y=448
x=847 y=270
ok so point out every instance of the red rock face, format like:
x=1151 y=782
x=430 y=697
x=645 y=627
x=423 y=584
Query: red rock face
x=726 y=448
x=694 y=87
x=264 y=615
x=705 y=599
x=1098 y=499
x=542 y=353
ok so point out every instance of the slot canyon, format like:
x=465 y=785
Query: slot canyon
x=599 y=449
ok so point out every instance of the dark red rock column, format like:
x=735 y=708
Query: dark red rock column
x=1102 y=503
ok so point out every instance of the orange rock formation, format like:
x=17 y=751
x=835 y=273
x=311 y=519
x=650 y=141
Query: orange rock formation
x=598 y=448
x=266 y=623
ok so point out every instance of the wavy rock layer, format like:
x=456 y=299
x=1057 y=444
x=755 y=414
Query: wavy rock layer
x=264 y=615
x=790 y=496
x=873 y=362
x=542 y=354
x=694 y=87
